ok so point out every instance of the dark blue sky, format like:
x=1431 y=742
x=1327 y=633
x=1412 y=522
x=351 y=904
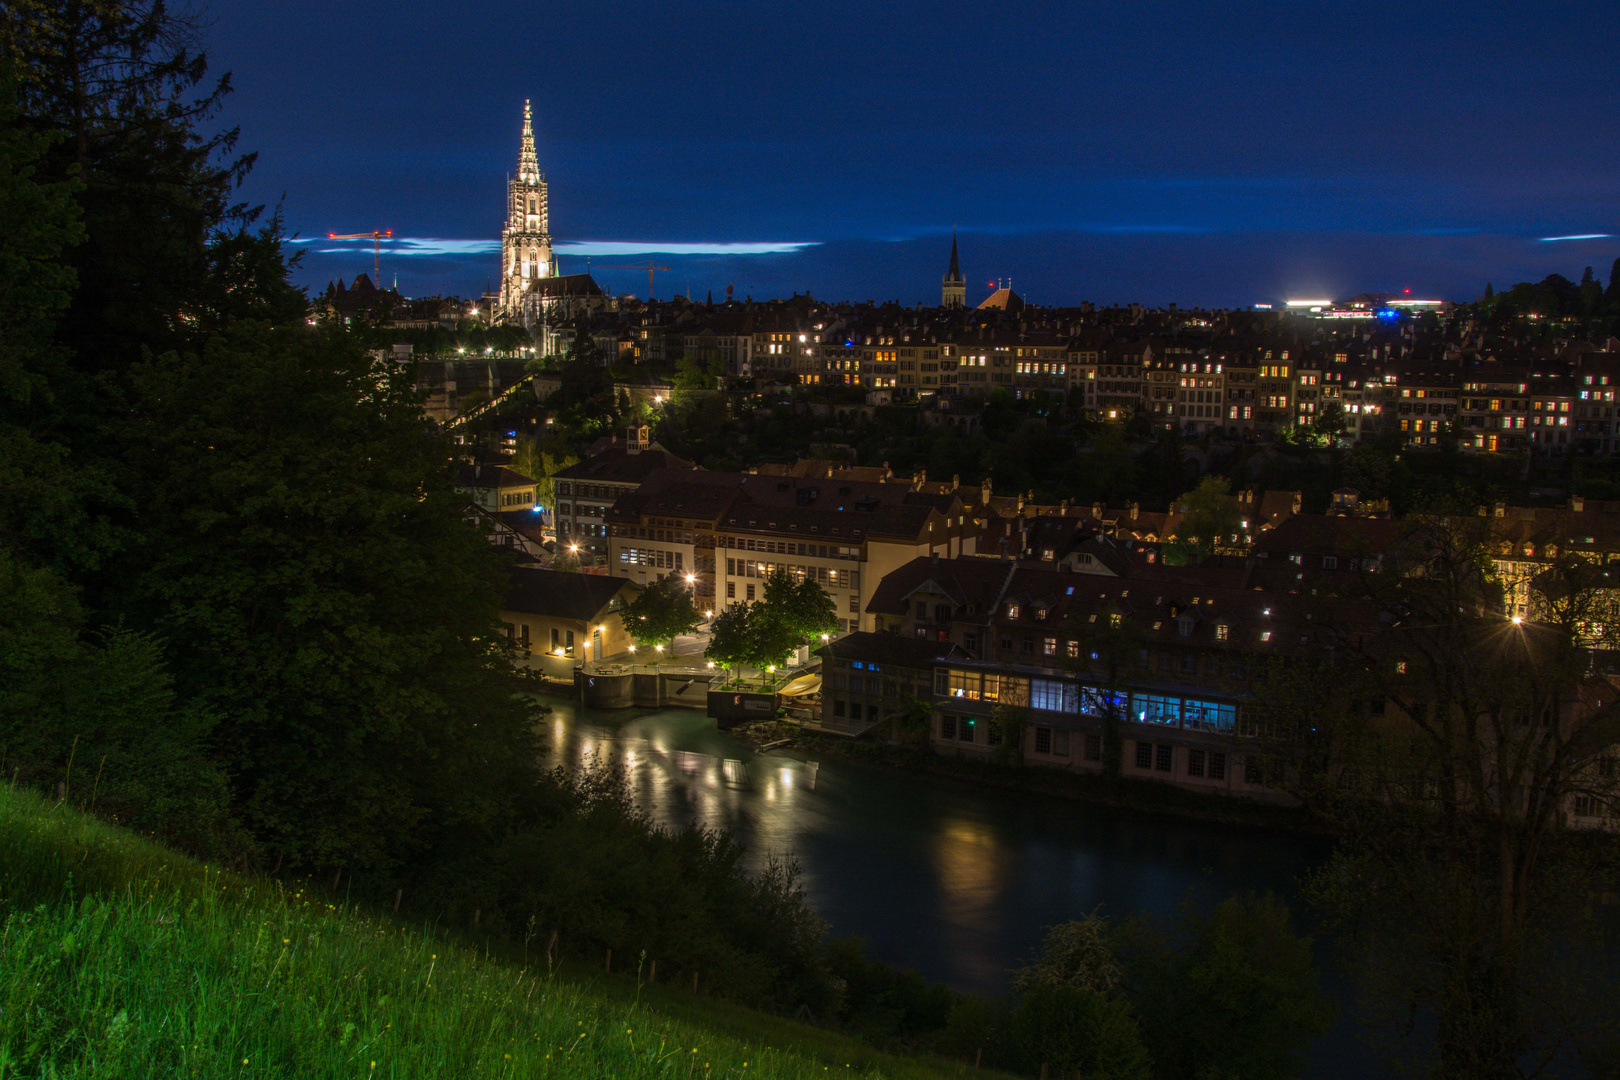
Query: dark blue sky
x=1183 y=152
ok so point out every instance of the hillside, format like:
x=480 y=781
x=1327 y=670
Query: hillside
x=119 y=958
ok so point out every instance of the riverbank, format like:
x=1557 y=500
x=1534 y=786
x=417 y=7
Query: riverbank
x=1116 y=792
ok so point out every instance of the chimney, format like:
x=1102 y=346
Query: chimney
x=984 y=491
x=1577 y=504
x=1134 y=509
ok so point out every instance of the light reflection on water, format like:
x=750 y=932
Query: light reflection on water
x=953 y=880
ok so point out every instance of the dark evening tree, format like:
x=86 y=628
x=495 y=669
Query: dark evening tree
x=301 y=537
x=663 y=612
x=1445 y=759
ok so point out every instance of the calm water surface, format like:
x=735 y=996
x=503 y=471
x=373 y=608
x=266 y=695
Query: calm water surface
x=938 y=875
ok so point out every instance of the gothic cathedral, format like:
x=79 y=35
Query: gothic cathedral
x=526 y=239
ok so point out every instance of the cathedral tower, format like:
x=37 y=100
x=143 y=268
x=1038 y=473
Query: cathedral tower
x=953 y=292
x=526 y=239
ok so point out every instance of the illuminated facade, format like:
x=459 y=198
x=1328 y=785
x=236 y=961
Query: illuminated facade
x=526 y=239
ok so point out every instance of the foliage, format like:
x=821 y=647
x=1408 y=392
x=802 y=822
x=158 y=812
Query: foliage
x=1447 y=767
x=304 y=553
x=1009 y=722
x=884 y=1003
x=765 y=633
x=1210 y=518
x=729 y=643
x=1233 y=996
x=1330 y=421
x=1078 y=954
x=542 y=466
x=1077 y=1030
x=663 y=612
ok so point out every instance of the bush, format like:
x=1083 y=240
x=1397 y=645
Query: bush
x=586 y=864
x=1072 y=1029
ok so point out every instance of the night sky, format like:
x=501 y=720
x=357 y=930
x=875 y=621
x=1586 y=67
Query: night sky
x=1204 y=154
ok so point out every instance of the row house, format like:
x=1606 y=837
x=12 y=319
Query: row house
x=1424 y=407
x=1595 y=376
x=1201 y=396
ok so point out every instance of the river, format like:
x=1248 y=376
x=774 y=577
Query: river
x=942 y=876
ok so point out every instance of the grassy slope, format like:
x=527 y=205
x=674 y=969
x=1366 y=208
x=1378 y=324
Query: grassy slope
x=119 y=958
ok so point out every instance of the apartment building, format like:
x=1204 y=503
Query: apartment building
x=585 y=491
x=1162 y=664
x=728 y=532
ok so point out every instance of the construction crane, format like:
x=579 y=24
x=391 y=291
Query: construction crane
x=649 y=268
x=376 y=239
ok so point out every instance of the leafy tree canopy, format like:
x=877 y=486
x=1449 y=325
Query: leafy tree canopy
x=663 y=612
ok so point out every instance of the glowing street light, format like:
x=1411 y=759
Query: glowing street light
x=691 y=578
x=708 y=614
x=1517 y=619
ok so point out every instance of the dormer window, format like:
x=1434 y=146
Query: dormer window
x=1012 y=611
x=1222 y=631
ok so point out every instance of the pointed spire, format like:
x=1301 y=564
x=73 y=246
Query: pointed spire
x=956 y=268
x=528 y=162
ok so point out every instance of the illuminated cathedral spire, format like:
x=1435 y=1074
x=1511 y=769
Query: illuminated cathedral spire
x=526 y=239
x=953 y=291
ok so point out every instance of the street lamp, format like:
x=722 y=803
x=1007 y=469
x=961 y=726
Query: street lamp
x=708 y=614
x=691 y=579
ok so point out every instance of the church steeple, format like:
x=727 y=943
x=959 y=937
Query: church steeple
x=953 y=290
x=528 y=160
x=526 y=239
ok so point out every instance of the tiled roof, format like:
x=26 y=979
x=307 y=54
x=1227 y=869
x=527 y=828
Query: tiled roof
x=889 y=648
x=559 y=595
x=490 y=476
x=619 y=465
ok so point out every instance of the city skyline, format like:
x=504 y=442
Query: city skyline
x=1111 y=155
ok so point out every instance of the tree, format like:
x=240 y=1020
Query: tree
x=806 y=608
x=663 y=612
x=1077 y=954
x=1079 y=1031
x=167 y=255
x=729 y=643
x=1210 y=518
x=1233 y=995
x=1457 y=742
x=1330 y=420
x=304 y=555
x=764 y=634
x=542 y=466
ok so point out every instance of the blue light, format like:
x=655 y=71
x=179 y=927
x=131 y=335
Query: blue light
x=538 y=509
x=1389 y=313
